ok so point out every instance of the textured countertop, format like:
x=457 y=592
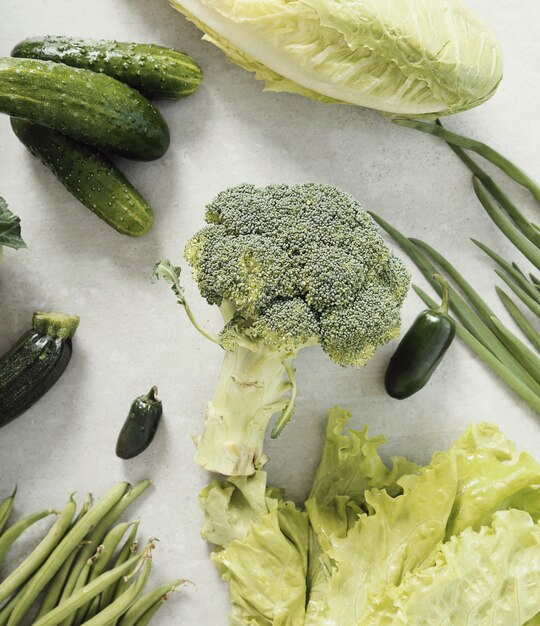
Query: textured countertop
x=133 y=335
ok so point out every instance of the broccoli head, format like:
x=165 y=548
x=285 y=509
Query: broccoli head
x=289 y=266
x=300 y=265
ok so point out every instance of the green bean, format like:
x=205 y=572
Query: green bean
x=520 y=293
x=527 y=328
x=513 y=381
x=93 y=608
x=144 y=604
x=513 y=271
x=522 y=243
x=491 y=155
x=535 y=280
x=122 y=604
x=99 y=532
x=6 y=506
x=57 y=583
x=7 y=609
x=129 y=547
x=107 y=549
x=40 y=554
x=82 y=580
x=63 y=550
x=69 y=606
x=16 y=530
x=145 y=619
x=498 y=194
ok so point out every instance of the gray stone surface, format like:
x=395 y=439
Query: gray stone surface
x=132 y=334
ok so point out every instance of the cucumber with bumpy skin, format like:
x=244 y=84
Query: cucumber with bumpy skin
x=90 y=107
x=90 y=176
x=156 y=71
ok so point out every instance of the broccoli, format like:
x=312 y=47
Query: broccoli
x=289 y=267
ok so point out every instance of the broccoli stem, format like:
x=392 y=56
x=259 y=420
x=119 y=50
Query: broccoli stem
x=251 y=389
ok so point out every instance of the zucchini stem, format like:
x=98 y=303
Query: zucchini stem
x=57 y=325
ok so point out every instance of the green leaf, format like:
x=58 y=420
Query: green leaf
x=10 y=228
x=484 y=578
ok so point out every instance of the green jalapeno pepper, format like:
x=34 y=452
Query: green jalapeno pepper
x=140 y=426
x=421 y=349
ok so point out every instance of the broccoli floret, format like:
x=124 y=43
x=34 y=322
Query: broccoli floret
x=289 y=266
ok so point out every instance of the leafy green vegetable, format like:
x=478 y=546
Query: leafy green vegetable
x=410 y=57
x=10 y=228
x=289 y=267
x=454 y=543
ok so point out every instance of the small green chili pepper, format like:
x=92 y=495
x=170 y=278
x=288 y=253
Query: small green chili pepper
x=140 y=426
x=421 y=349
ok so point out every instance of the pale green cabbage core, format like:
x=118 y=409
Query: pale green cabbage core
x=406 y=57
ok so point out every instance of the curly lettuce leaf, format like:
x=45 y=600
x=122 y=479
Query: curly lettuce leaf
x=493 y=475
x=402 y=535
x=455 y=543
x=262 y=551
x=10 y=228
x=486 y=578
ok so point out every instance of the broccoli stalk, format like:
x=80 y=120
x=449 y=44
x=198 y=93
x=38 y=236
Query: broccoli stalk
x=251 y=389
x=289 y=267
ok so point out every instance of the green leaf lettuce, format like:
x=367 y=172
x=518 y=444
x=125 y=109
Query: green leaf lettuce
x=454 y=543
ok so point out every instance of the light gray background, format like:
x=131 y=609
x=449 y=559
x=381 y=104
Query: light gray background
x=132 y=334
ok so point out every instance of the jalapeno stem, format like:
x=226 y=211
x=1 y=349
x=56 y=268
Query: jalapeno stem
x=445 y=294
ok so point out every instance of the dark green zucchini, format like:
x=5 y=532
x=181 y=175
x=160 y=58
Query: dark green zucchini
x=35 y=363
x=92 y=108
x=140 y=426
x=90 y=176
x=155 y=71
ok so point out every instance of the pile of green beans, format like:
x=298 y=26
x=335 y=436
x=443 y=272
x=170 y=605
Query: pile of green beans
x=83 y=571
x=515 y=361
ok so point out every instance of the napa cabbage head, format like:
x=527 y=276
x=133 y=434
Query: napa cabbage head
x=404 y=57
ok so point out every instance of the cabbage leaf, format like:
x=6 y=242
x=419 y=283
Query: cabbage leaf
x=405 y=57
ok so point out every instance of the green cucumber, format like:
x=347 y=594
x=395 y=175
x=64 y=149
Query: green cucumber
x=90 y=176
x=35 y=363
x=92 y=108
x=155 y=71
x=140 y=426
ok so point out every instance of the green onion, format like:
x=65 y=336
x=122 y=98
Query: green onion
x=527 y=328
x=482 y=149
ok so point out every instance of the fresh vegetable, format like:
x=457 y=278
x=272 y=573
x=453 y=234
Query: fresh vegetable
x=8 y=538
x=454 y=542
x=289 y=267
x=10 y=229
x=90 y=176
x=155 y=71
x=83 y=548
x=421 y=350
x=414 y=57
x=90 y=107
x=512 y=359
x=35 y=363
x=6 y=507
x=140 y=426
